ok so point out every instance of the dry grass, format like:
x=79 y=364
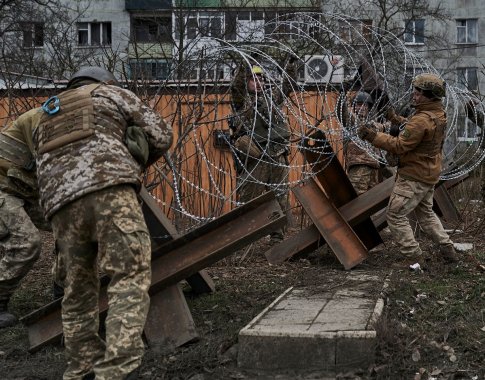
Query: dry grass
x=432 y=328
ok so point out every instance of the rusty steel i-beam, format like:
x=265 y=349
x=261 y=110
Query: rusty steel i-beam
x=178 y=259
x=371 y=202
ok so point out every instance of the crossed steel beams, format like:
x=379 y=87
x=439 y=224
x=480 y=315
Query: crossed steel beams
x=339 y=217
x=172 y=261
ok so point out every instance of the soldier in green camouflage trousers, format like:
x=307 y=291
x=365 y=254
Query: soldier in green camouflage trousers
x=20 y=241
x=20 y=216
x=262 y=136
x=103 y=230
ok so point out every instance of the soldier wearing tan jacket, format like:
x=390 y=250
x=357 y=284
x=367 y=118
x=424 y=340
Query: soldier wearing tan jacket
x=419 y=148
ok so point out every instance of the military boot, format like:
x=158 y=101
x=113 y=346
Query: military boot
x=449 y=254
x=6 y=319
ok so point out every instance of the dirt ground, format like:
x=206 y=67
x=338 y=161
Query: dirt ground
x=433 y=326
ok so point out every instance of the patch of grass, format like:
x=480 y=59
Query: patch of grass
x=434 y=322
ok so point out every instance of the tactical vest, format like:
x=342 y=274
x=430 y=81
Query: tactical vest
x=15 y=151
x=434 y=145
x=272 y=127
x=75 y=120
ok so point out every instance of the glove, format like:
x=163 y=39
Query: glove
x=137 y=143
x=394 y=130
x=366 y=133
x=392 y=159
x=391 y=115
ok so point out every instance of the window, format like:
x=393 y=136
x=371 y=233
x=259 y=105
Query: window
x=210 y=71
x=356 y=32
x=149 y=69
x=204 y=24
x=414 y=32
x=152 y=29
x=244 y=25
x=94 y=33
x=466 y=31
x=468 y=132
x=33 y=34
x=467 y=77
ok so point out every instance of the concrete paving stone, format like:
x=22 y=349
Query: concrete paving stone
x=330 y=331
x=304 y=303
x=342 y=293
x=289 y=317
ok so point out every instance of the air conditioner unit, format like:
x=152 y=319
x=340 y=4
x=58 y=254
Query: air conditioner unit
x=324 y=69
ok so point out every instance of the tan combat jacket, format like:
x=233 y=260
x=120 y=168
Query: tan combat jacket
x=419 y=145
x=87 y=152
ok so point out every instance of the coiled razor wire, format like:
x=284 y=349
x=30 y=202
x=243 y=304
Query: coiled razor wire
x=373 y=60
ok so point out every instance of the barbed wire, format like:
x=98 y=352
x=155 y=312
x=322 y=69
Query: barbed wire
x=332 y=68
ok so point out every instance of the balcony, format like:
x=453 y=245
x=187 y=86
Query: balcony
x=145 y=5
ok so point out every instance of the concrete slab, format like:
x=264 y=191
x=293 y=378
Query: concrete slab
x=302 y=330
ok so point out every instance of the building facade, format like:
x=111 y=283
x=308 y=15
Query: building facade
x=141 y=39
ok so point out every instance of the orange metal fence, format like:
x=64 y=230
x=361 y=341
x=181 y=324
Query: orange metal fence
x=205 y=172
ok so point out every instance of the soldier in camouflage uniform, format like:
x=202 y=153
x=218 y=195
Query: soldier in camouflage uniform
x=419 y=148
x=362 y=169
x=261 y=135
x=19 y=237
x=87 y=181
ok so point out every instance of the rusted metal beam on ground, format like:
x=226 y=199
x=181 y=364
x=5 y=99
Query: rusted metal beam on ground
x=337 y=186
x=169 y=323
x=358 y=209
x=328 y=170
x=178 y=259
x=340 y=237
x=306 y=240
x=379 y=219
x=162 y=230
x=449 y=184
x=444 y=205
x=159 y=327
x=160 y=227
x=368 y=203
x=215 y=240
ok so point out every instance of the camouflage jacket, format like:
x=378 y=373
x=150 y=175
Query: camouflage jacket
x=17 y=169
x=69 y=167
x=260 y=115
x=419 y=145
x=355 y=155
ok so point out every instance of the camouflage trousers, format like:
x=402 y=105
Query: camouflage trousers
x=103 y=232
x=363 y=177
x=20 y=242
x=259 y=176
x=408 y=196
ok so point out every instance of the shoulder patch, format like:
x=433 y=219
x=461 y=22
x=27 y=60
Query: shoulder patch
x=405 y=133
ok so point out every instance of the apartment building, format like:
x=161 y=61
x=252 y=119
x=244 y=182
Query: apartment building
x=450 y=34
x=147 y=39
